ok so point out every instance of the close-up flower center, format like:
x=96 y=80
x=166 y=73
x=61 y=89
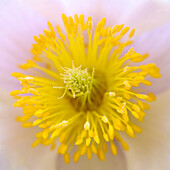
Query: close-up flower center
x=83 y=88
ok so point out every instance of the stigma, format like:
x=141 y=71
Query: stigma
x=82 y=88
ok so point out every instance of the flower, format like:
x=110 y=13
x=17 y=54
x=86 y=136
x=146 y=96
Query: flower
x=88 y=95
x=103 y=118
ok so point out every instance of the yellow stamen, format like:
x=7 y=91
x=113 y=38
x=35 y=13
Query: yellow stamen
x=84 y=90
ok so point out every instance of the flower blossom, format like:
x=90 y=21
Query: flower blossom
x=90 y=100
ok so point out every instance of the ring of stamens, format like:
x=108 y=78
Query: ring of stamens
x=90 y=102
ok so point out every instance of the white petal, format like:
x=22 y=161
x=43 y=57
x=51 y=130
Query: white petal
x=53 y=9
x=151 y=149
x=15 y=142
x=97 y=9
x=19 y=23
x=117 y=162
x=148 y=14
x=156 y=44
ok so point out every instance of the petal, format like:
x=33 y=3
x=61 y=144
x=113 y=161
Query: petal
x=117 y=162
x=148 y=15
x=156 y=44
x=53 y=9
x=15 y=142
x=18 y=25
x=130 y=12
x=151 y=149
x=97 y=9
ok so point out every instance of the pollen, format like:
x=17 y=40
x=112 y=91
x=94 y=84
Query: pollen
x=83 y=89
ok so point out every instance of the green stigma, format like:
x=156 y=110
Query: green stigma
x=77 y=81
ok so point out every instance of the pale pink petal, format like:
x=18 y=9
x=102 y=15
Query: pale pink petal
x=151 y=149
x=156 y=43
x=97 y=9
x=142 y=14
x=147 y=15
x=15 y=142
x=53 y=9
x=117 y=162
x=19 y=23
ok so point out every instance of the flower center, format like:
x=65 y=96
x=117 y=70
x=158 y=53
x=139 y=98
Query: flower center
x=86 y=104
x=77 y=81
x=85 y=91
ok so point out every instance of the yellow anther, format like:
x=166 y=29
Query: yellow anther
x=136 y=107
x=93 y=148
x=87 y=126
x=63 y=137
x=135 y=114
x=100 y=154
x=96 y=138
x=29 y=64
x=65 y=19
x=37 y=122
x=76 y=156
x=89 y=153
x=88 y=140
x=132 y=33
x=117 y=124
x=36 y=142
x=119 y=99
x=27 y=124
x=79 y=141
x=64 y=123
x=91 y=133
x=130 y=130
x=15 y=92
x=113 y=148
x=147 y=83
x=62 y=149
x=141 y=96
x=53 y=146
x=111 y=132
x=126 y=69
x=127 y=84
x=90 y=25
x=151 y=97
x=81 y=19
x=104 y=146
x=38 y=113
x=104 y=119
x=106 y=137
x=112 y=94
x=136 y=128
x=124 y=145
x=127 y=96
x=124 y=31
x=67 y=158
x=17 y=75
x=76 y=18
x=45 y=134
x=84 y=134
x=83 y=150
x=120 y=27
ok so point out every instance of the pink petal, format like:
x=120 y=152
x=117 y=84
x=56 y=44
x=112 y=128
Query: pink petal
x=151 y=149
x=15 y=142
x=19 y=24
x=97 y=9
x=147 y=15
x=156 y=43
x=117 y=162
x=142 y=14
